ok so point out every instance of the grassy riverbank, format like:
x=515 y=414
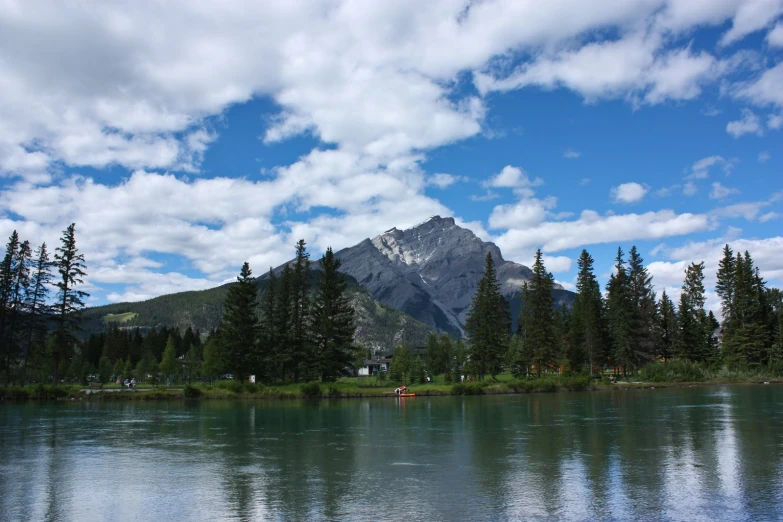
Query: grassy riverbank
x=657 y=376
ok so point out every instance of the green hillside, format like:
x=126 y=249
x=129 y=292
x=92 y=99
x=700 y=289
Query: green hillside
x=379 y=326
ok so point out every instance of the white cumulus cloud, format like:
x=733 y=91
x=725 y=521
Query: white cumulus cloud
x=628 y=192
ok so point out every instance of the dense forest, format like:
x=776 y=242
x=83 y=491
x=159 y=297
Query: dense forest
x=628 y=326
x=301 y=325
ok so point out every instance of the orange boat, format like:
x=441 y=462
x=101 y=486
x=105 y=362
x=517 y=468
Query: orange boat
x=407 y=394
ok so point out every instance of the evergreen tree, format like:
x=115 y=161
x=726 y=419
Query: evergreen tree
x=283 y=326
x=333 y=321
x=619 y=310
x=725 y=287
x=693 y=335
x=7 y=284
x=169 y=365
x=300 y=309
x=667 y=328
x=488 y=324
x=70 y=300
x=747 y=333
x=540 y=331
x=269 y=334
x=240 y=325
x=644 y=308
x=588 y=322
x=20 y=283
x=214 y=357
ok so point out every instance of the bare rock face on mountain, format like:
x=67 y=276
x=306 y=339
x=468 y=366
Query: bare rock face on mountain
x=430 y=271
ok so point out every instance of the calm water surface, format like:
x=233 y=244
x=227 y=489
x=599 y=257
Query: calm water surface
x=703 y=453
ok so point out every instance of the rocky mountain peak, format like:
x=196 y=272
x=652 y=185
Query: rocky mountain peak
x=430 y=271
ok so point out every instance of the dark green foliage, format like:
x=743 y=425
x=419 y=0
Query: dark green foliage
x=588 y=319
x=191 y=392
x=439 y=357
x=537 y=319
x=70 y=300
x=643 y=311
x=668 y=328
x=300 y=310
x=678 y=370
x=333 y=321
x=467 y=388
x=619 y=304
x=311 y=389
x=240 y=325
x=488 y=324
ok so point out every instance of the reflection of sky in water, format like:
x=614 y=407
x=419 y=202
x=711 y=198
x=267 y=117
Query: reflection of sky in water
x=667 y=454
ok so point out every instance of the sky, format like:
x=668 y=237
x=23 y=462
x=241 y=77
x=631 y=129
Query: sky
x=184 y=138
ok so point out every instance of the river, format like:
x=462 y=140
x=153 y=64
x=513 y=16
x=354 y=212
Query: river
x=690 y=454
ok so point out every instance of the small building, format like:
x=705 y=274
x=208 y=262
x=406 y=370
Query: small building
x=369 y=368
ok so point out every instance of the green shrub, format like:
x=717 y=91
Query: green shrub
x=334 y=391
x=311 y=389
x=14 y=392
x=674 y=371
x=467 y=388
x=191 y=392
x=233 y=386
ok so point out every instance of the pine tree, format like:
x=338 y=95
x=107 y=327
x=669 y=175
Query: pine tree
x=540 y=335
x=240 y=324
x=667 y=328
x=488 y=324
x=20 y=284
x=725 y=287
x=693 y=335
x=644 y=308
x=269 y=334
x=283 y=326
x=70 y=300
x=300 y=309
x=619 y=311
x=7 y=283
x=333 y=321
x=588 y=322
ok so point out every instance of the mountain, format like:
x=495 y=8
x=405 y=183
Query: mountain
x=432 y=270
x=379 y=326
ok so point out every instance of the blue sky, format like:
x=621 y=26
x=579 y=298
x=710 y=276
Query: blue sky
x=183 y=139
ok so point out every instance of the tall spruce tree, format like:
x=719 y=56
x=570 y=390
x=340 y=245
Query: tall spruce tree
x=11 y=349
x=269 y=333
x=333 y=321
x=70 y=300
x=588 y=326
x=240 y=324
x=667 y=328
x=694 y=331
x=283 y=355
x=644 y=307
x=539 y=337
x=300 y=310
x=488 y=324
x=619 y=311
x=7 y=283
x=725 y=286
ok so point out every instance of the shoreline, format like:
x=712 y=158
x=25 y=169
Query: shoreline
x=52 y=393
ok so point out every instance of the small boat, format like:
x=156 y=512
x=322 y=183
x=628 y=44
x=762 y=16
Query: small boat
x=407 y=395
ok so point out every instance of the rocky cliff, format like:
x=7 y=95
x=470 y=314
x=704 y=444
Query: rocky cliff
x=430 y=271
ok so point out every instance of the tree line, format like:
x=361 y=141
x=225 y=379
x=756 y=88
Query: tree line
x=299 y=330
x=37 y=334
x=627 y=326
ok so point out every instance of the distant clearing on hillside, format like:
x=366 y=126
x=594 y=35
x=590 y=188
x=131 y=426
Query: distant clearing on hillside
x=119 y=318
